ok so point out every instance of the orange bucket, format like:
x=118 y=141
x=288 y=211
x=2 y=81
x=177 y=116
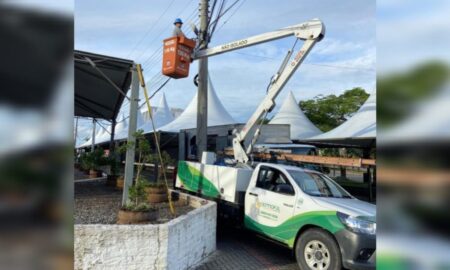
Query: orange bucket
x=177 y=56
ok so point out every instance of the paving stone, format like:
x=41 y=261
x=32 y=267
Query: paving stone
x=242 y=250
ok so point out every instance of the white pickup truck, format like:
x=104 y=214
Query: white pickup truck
x=324 y=225
x=305 y=210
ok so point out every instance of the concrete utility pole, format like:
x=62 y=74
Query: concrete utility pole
x=93 y=134
x=129 y=161
x=202 y=96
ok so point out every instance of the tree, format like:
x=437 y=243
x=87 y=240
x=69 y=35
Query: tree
x=328 y=112
x=399 y=93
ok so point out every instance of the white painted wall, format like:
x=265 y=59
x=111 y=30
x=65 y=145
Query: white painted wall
x=179 y=244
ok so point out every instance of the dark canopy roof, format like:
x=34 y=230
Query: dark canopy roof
x=95 y=96
x=35 y=48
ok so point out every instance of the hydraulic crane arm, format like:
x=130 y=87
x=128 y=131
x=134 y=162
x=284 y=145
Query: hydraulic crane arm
x=311 y=32
x=313 y=29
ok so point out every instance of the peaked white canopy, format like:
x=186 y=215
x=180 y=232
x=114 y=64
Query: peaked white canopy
x=359 y=130
x=291 y=114
x=122 y=127
x=161 y=116
x=430 y=122
x=217 y=114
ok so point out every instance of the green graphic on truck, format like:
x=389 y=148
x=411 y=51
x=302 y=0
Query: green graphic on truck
x=193 y=180
x=286 y=232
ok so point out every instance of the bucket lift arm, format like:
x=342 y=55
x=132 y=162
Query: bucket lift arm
x=311 y=32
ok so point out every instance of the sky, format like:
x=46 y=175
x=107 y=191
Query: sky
x=410 y=33
x=344 y=59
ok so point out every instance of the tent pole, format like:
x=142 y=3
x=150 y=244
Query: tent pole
x=130 y=155
x=93 y=135
x=75 y=135
x=111 y=140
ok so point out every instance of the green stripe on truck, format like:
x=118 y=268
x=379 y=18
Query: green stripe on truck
x=193 y=180
x=287 y=231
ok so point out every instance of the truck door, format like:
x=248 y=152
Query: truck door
x=269 y=202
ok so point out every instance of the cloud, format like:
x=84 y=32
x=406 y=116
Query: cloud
x=412 y=34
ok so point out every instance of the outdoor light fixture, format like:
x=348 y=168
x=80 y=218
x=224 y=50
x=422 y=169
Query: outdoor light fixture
x=360 y=224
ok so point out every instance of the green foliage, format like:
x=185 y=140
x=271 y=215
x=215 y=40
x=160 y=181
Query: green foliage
x=328 y=112
x=167 y=160
x=157 y=184
x=399 y=93
x=143 y=207
x=113 y=162
x=84 y=161
x=92 y=160
x=137 y=193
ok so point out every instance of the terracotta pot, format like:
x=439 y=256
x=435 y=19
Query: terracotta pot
x=135 y=217
x=156 y=190
x=119 y=182
x=156 y=194
x=92 y=174
x=157 y=198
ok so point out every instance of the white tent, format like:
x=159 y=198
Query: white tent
x=122 y=126
x=98 y=131
x=360 y=129
x=161 y=117
x=105 y=135
x=430 y=122
x=217 y=114
x=291 y=114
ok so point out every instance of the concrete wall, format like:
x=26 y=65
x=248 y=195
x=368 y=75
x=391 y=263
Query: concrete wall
x=178 y=244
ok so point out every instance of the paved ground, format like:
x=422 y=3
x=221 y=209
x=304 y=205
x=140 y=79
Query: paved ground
x=242 y=250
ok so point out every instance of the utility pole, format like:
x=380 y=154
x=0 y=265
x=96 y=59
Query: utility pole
x=129 y=160
x=202 y=95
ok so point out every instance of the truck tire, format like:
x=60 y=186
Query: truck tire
x=316 y=249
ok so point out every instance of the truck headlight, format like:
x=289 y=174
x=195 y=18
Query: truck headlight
x=364 y=225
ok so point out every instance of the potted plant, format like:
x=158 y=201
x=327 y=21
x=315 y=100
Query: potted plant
x=119 y=182
x=157 y=191
x=95 y=159
x=137 y=210
x=111 y=179
x=84 y=163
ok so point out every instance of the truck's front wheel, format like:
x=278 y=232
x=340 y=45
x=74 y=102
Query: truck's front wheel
x=317 y=250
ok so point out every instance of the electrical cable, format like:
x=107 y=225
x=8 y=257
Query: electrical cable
x=150 y=29
x=242 y=3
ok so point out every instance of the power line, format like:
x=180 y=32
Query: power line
x=157 y=53
x=143 y=103
x=150 y=29
x=163 y=30
x=220 y=14
x=232 y=14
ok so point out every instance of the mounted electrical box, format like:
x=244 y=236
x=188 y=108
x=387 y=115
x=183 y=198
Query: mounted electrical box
x=177 y=56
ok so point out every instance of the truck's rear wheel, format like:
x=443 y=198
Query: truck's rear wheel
x=317 y=250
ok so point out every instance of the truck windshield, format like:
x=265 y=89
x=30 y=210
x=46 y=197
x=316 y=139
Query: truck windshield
x=316 y=184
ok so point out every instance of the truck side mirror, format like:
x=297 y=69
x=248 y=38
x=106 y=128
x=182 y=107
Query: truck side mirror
x=285 y=189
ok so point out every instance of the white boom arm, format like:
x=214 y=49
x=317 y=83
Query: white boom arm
x=311 y=32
